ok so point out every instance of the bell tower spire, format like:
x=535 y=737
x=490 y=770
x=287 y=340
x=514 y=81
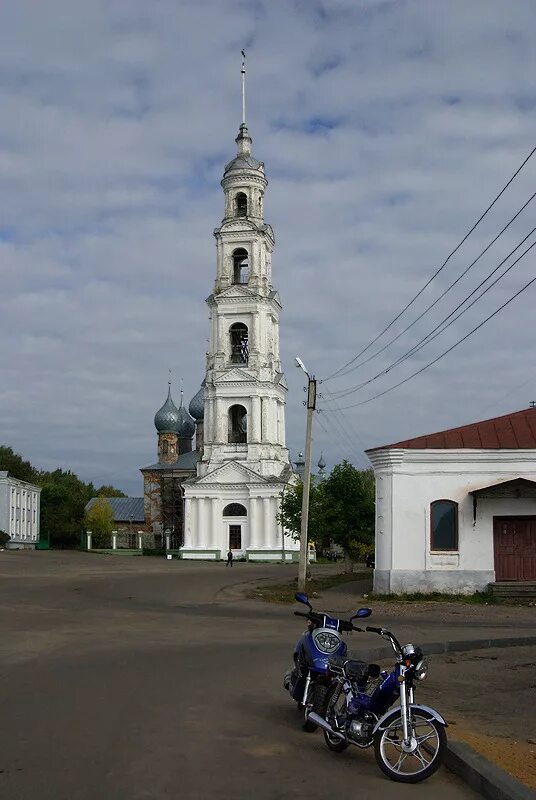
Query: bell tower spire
x=243 y=71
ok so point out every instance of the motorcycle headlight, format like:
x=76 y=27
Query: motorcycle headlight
x=326 y=641
x=421 y=669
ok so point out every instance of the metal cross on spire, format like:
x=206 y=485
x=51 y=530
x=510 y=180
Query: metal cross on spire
x=169 y=379
x=243 y=71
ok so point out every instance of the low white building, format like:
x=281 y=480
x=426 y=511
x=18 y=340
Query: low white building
x=19 y=511
x=456 y=510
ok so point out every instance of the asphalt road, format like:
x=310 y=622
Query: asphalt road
x=128 y=678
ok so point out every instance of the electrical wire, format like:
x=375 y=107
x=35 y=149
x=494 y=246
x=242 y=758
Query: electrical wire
x=438 y=330
x=445 y=352
x=436 y=273
x=442 y=295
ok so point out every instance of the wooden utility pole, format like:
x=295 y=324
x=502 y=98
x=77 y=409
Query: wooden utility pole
x=304 y=544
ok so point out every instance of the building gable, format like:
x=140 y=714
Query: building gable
x=233 y=472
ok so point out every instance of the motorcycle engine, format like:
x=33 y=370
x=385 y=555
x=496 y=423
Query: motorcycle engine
x=361 y=729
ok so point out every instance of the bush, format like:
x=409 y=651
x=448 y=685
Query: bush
x=4 y=538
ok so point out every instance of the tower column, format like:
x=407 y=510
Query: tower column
x=219 y=422
x=194 y=522
x=253 y=525
x=255 y=419
x=202 y=524
x=187 y=522
x=267 y=523
x=215 y=533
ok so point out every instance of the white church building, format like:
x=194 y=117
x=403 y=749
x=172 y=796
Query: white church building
x=456 y=510
x=243 y=464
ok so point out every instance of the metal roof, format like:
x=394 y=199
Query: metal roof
x=516 y=431
x=186 y=461
x=124 y=508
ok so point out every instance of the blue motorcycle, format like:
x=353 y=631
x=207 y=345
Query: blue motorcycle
x=409 y=740
x=309 y=680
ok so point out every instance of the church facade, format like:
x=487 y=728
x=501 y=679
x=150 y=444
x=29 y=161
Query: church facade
x=224 y=494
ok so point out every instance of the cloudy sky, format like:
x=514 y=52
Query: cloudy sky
x=386 y=126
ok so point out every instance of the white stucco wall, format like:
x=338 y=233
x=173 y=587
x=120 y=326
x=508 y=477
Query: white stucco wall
x=408 y=481
x=19 y=511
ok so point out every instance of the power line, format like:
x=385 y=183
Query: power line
x=433 y=335
x=446 y=352
x=436 y=273
x=442 y=295
x=350 y=429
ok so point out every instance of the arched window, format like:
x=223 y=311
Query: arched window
x=238 y=425
x=239 y=343
x=235 y=510
x=165 y=447
x=241 y=205
x=240 y=266
x=444 y=525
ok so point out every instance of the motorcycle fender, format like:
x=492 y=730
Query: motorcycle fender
x=426 y=710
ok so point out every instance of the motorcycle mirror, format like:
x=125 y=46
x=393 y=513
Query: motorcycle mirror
x=363 y=612
x=302 y=598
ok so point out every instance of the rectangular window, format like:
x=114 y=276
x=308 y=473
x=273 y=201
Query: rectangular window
x=444 y=525
x=235 y=537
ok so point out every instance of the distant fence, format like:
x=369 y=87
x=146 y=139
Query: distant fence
x=124 y=540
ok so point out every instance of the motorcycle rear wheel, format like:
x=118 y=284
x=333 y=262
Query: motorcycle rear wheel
x=318 y=705
x=429 y=741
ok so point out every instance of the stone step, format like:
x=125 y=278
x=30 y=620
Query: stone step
x=514 y=589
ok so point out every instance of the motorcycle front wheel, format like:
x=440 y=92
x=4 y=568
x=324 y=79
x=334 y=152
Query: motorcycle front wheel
x=318 y=704
x=335 y=707
x=420 y=758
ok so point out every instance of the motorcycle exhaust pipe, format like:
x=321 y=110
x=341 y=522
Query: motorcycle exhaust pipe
x=312 y=717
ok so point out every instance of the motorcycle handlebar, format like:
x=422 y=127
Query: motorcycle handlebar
x=300 y=614
x=370 y=629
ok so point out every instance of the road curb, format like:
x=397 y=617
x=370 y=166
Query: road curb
x=480 y=774
x=455 y=646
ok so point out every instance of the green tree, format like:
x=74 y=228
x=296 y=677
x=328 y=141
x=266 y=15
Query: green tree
x=289 y=515
x=15 y=465
x=349 y=509
x=341 y=508
x=99 y=519
x=109 y=491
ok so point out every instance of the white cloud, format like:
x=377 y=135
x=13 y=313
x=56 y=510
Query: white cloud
x=386 y=128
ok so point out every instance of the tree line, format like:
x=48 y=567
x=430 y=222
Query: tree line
x=341 y=511
x=63 y=497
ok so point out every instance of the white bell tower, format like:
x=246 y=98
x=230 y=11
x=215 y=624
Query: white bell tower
x=244 y=465
x=244 y=386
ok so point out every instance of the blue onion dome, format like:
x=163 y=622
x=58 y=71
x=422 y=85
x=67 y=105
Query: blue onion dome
x=166 y=419
x=186 y=426
x=197 y=405
x=321 y=462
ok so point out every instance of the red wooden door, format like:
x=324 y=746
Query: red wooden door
x=514 y=543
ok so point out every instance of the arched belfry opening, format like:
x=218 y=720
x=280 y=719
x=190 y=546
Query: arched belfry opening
x=241 y=205
x=239 y=337
x=238 y=425
x=240 y=265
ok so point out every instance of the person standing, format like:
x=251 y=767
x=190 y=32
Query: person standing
x=229 y=559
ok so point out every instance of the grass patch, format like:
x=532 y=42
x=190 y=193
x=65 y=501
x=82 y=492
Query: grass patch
x=479 y=598
x=284 y=592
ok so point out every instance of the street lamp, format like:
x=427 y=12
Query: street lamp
x=311 y=405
